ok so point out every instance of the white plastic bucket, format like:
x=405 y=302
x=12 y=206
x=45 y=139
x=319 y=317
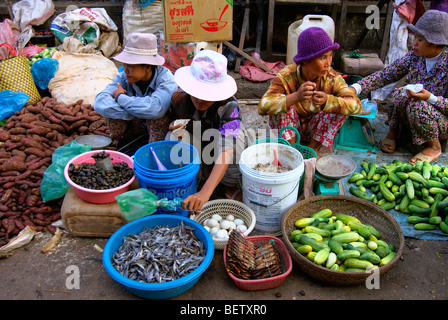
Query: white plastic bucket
x=270 y=195
x=310 y=20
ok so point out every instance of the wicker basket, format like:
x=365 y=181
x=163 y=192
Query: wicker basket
x=365 y=211
x=223 y=208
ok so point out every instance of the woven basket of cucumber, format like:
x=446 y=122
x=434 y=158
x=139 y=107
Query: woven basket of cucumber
x=342 y=239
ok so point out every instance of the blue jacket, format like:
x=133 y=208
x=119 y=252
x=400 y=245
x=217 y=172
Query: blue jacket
x=152 y=104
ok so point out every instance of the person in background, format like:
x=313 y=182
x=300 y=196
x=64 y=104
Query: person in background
x=308 y=94
x=423 y=112
x=139 y=97
x=206 y=97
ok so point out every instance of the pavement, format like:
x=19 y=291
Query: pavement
x=73 y=270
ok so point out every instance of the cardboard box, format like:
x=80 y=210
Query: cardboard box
x=178 y=55
x=198 y=20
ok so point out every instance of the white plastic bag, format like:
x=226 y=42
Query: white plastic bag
x=80 y=76
x=147 y=19
x=32 y=12
x=85 y=24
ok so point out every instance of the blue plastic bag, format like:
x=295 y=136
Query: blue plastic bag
x=43 y=71
x=11 y=102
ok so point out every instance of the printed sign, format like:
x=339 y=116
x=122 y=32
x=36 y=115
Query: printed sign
x=198 y=20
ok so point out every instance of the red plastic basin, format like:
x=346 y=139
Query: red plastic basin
x=99 y=196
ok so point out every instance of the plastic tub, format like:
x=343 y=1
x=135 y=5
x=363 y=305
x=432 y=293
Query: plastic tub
x=270 y=195
x=164 y=290
x=179 y=180
x=99 y=196
x=267 y=283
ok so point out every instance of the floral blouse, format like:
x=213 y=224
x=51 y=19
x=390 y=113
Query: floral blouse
x=413 y=68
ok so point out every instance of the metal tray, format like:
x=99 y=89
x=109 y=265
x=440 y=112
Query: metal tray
x=335 y=166
x=95 y=141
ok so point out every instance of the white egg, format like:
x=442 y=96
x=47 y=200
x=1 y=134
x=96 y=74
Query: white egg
x=213 y=231
x=238 y=221
x=221 y=234
x=225 y=224
x=230 y=217
x=212 y=223
x=205 y=222
x=207 y=228
x=232 y=225
x=241 y=227
x=217 y=217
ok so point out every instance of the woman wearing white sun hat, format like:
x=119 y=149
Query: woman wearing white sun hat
x=206 y=97
x=141 y=95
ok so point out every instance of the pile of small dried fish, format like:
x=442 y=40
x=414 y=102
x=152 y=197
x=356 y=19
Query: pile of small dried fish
x=246 y=260
x=160 y=254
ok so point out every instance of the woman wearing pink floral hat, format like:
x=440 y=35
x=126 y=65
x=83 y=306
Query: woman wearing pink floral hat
x=139 y=97
x=308 y=94
x=206 y=98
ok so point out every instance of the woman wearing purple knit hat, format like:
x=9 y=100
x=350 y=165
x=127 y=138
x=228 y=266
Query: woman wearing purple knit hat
x=308 y=94
x=421 y=106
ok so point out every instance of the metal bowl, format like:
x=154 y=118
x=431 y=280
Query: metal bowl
x=335 y=166
x=95 y=141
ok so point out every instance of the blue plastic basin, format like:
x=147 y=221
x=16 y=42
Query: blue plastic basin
x=164 y=290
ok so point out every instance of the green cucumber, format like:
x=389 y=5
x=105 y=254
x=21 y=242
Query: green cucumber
x=356 y=176
x=324 y=213
x=388 y=205
x=388 y=258
x=418 y=210
x=347 y=254
x=435 y=190
x=417 y=177
x=424 y=226
x=335 y=246
x=345 y=218
x=388 y=195
x=417 y=219
x=410 y=189
x=444 y=227
x=436 y=220
x=358 y=264
x=404 y=202
x=322 y=255
x=358 y=193
x=316 y=245
x=370 y=256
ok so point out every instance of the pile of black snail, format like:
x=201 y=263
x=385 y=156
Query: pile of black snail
x=101 y=175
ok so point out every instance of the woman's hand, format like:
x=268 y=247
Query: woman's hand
x=305 y=91
x=174 y=126
x=319 y=98
x=194 y=202
x=422 y=95
x=118 y=90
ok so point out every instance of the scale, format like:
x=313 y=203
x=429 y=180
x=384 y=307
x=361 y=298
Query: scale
x=322 y=185
x=356 y=133
x=329 y=170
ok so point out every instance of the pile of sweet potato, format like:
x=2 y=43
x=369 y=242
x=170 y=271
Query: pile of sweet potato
x=27 y=142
